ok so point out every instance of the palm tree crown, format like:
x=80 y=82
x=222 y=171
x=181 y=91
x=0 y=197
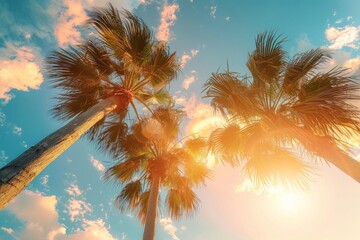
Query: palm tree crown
x=119 y=64
x=120 y=58
x=287 y=103
x=150 y=151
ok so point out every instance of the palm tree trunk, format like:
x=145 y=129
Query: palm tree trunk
x=17 y=174
x=329 y=151
x=151 y=214
x=325 y=148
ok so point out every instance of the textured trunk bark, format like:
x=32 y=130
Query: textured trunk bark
x=151 y=214
x=17 y=174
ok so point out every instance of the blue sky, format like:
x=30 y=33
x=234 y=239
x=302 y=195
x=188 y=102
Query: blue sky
x=69 y=200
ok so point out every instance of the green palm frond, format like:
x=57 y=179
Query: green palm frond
x=158 y=98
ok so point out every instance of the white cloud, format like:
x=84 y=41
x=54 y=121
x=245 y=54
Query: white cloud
x=188 y=81
x=39 y=213
x=2 y=118
x=66 y=31
x=184 y=59
x=349 y=18
x=347 y=36
x=339 y=21
x=187 y=57
x=73 y=190
x=45 y=180
x=93 y=230
x=194 y=52
x=167 y=20
x=41 y=220
x=97 y=164
x=19 y=72
x=17 y=130
x=3 y=156
x=169 y=227
x=7 y=230
x=77 y=209
x=213 y=11
x=304 y=44
x=227 y=18
x=353 y=64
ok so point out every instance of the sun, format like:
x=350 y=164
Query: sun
x=289 y=202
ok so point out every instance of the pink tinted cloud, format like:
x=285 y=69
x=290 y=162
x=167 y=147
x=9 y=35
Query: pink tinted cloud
x=20 y=73
x=347 y=36
x=169 y=227
x=77 y=209
x=97 y=164
x=185 y=58
x=188 y=81
x=42 y=220
x=66 y=31
x=73 y=190
x=39 y=213
x=168 y=18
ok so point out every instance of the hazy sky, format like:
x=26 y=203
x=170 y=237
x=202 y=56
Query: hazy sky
x=69 y=200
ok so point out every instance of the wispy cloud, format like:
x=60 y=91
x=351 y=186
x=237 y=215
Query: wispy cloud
x=18 y=71
x=3 y=156
x=188 y=81
x=77 y=209
x=213 y=10
x=169 y=227
x=186 y=57
x=7 y=230
x=73 y=190
x=97 y=164
x=167 y=20
x=17 y=130
x=45 y=180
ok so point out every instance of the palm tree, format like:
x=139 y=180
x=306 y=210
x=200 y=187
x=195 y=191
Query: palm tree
x=118 y=65
x=150 y=157
x=287 y=107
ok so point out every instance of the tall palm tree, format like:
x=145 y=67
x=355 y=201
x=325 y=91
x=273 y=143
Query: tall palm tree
x=118 y=65
x=286 y=108
x=150 y=157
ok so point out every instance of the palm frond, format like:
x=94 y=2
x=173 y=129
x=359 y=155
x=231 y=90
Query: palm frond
x=181 y=199
x=225 y=143
x=302 y=67
x=268 y=59
x=229 y=95
x=273 y=164
x=130 y=196
x=324 y=104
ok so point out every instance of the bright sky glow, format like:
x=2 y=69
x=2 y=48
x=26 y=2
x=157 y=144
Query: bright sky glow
x=69 y=200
